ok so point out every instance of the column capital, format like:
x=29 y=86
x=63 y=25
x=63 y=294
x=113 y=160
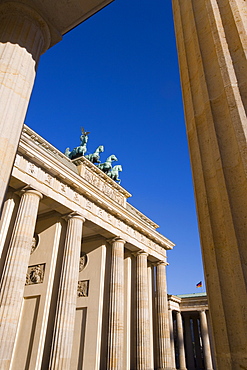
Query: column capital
x=74 y=215
x=14 y=8
x=161 y=262
x=140 y=252
x=30 y=190
x=116 y=239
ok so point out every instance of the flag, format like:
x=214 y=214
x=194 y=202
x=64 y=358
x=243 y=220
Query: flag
x=199 y=285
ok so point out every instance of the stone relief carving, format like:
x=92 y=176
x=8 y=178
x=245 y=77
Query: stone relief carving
x=89 y=176
x=32 y=169
x=63 y=188
x=35 y=274
x=105 y=188
x=82 y=289
x=35 y=242
x=48 y=178
x=76 y=197
x=89 y=205
x=83 y=261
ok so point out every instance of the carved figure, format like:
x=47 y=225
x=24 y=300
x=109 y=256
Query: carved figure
x=94 y=158
x=35 y=274
x=107 y=165
x=34 y=244
x=113 y=174
x=82 y=289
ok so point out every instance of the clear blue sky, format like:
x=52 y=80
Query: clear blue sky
x=117 y=76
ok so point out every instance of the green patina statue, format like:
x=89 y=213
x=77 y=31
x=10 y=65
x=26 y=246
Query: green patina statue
x=107 y=165
x=94 y=158
x=81 y=149
x=113 y=174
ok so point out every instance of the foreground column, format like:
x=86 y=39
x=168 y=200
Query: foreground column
x=212 y=42
x=182 y=362
x=14 y=273
x=164 y=345
x=66 y=308
x=116 y=307
x=143 y=314
x=24 y=35
x=205 y=341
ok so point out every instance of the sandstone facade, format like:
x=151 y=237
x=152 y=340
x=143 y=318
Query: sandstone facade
x=83 y=280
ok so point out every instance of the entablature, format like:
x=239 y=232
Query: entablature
x=38 y=163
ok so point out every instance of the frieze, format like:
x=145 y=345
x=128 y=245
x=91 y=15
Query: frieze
x=35 y=274
x=89 y=205
x=82 y=289
x=76 y=197
x=32 y=169
x=65 y=190
x=48 y=179
x=95 y=180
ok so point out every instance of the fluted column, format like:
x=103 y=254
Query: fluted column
x=24 y=35
x=66 y=307
x=143 y=314
x=212 y=43
x=173 y=361
x=182 y=362
x=164 y=360
x=205 y=341
x=6 y=215
x=14 y=274
x=116 y=307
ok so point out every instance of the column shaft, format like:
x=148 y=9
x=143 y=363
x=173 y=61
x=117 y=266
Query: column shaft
x=173 y=361
x=198 y=350
x=143 y=314
x=212 y=44
x=182 y=362
x=14 y=274
x=6 y=215
x=66 y=308
x=116 y=307
x=23 y=36
x=164 y=344
x=205 y=341
x=188 y=344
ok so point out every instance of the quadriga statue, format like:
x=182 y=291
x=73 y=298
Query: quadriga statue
x=94 y=158
x=115 y=172
x=107 y=165
x=81 y=149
